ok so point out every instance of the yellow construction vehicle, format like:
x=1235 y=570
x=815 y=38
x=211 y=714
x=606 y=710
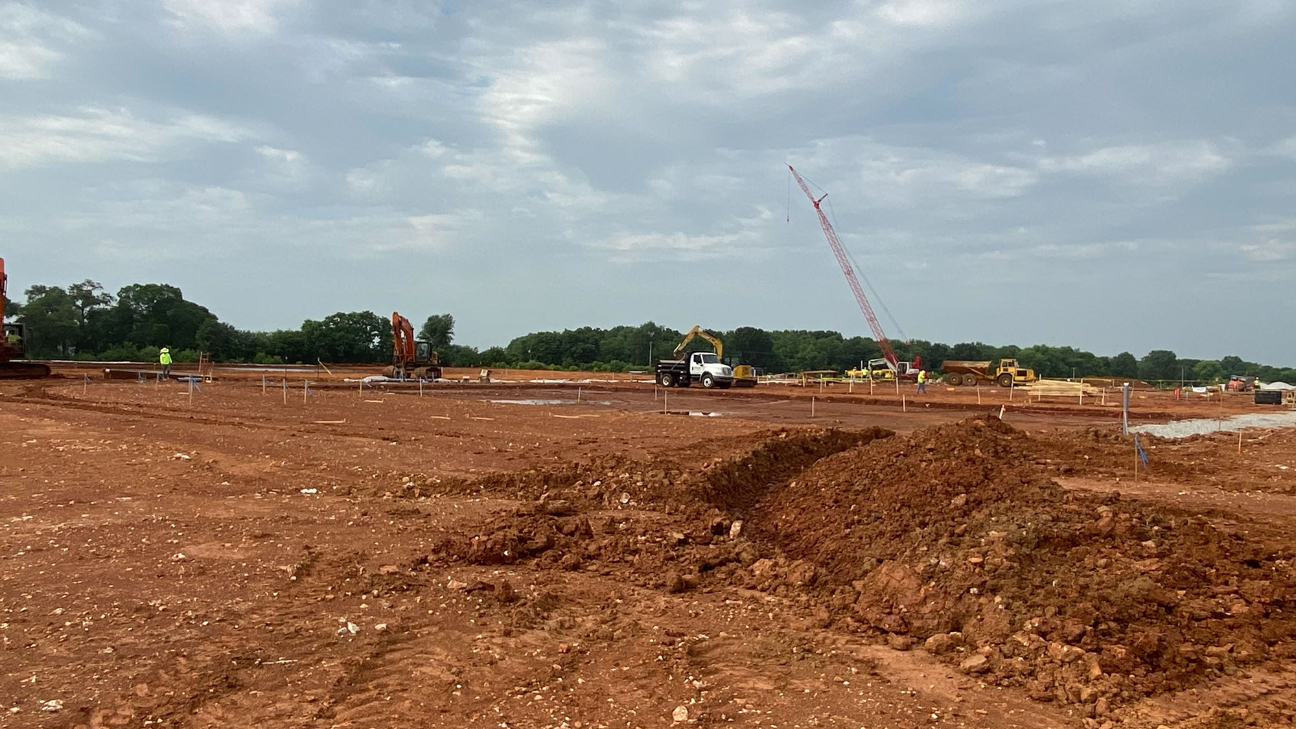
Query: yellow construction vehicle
x=743 y=375
x=884 y=369
x=1003 y=372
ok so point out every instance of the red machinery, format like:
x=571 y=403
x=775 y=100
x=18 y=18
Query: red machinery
x=13 y=344
x=412 y=359
x=893 y=362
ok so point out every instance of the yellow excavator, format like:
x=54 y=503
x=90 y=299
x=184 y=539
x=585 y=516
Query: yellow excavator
x=743 y=375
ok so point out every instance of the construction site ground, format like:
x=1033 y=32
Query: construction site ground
x=607 y=554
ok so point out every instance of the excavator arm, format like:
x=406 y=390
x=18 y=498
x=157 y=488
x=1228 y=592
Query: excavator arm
x=698 y=331
x=402 y=340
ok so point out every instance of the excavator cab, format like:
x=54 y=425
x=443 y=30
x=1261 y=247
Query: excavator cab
x=14 y=343
x=423 y=353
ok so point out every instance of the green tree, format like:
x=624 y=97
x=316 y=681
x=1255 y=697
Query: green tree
x=494 y=357
x=1233 y=365
x=439 y=330
x=50 y=318
x=749 y=345
x=1124 y=365
x=223 y=342
x=1209 y=371
x=156 y=315
x=357 y=336
x=1159 y=364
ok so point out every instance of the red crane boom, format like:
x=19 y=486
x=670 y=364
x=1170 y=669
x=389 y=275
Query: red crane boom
x=888 y=353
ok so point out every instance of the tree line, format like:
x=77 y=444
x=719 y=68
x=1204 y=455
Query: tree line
x=83 y=321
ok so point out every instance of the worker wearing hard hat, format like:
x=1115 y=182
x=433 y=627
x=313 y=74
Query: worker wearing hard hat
x=14 y=338
x=164 y=357
x=922 y=382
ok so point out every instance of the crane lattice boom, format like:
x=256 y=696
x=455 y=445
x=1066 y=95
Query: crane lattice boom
x=840 y=253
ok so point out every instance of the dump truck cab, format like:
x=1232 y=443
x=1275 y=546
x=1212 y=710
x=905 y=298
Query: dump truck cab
x=1007 y=373
x=703 y=367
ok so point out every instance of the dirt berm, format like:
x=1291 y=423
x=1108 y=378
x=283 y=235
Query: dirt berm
x=955 y=536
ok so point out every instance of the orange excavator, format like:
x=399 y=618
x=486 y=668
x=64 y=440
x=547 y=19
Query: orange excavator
x=412 y=359
x=13 y=344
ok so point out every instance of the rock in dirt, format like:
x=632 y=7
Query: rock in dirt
x=505 y=593
x=901 y=642
x=735 y=529
x=680 y=714
x=975 y=664
x=558 y=508
x=675 y=584
x=942 y=643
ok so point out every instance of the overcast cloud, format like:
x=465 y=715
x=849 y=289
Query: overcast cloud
x=1111 y=174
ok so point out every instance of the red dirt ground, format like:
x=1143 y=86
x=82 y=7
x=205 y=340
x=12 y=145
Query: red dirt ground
x=383 y=559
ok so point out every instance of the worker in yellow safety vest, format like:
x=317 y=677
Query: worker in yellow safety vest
x=164 y=357
x=922 y=381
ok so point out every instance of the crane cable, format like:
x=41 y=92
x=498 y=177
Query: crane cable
x=876 y=296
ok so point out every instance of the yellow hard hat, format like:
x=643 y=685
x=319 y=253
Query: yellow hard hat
x=164 y=349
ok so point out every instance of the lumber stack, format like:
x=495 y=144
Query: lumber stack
x=1059 y=388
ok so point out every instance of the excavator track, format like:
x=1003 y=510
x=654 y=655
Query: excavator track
x=23 y=370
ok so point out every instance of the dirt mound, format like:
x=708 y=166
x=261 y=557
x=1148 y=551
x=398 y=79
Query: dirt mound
x=956 y=535
x=730 y=483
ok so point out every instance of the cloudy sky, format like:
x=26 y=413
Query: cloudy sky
x=1111 y=174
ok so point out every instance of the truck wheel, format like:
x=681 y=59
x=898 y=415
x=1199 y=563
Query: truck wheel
x=667 y=379
x=953 y=379
x=708 y=381
x=1005 y=380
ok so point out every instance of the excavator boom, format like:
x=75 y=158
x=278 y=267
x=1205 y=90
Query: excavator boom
x=698 y=331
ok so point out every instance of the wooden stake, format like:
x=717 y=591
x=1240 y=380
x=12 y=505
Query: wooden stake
x=1239 y=441
x=263 y=385
x=904 y=408
x=305 y=391
x=978 y=388
x=285 y=391
x=665 y=402
x=812 y=406
x=578 y=394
